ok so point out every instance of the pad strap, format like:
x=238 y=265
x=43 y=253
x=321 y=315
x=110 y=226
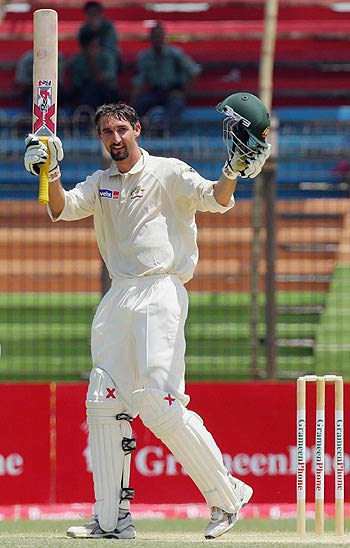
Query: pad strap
x=127 y=493
x=128 y=446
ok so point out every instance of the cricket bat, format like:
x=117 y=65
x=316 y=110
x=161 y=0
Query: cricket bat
x=45 y=81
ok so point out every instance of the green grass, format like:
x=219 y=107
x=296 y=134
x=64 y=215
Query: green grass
x=48 y=335
x=249 y=533
x=332 y=334
x=218 y=333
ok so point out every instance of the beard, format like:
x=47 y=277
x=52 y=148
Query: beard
x=119 y=155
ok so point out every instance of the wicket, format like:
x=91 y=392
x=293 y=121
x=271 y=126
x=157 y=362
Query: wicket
x=320 y=452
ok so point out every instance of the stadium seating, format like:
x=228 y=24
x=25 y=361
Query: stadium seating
x=311 y=70
x=311 y=54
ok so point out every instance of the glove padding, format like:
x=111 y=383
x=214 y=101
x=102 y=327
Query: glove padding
x=246 y=167
x=37 y=152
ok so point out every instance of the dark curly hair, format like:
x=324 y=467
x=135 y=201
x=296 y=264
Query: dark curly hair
x=120 y=110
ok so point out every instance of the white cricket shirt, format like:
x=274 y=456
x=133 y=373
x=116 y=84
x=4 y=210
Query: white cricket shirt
x=145 y=218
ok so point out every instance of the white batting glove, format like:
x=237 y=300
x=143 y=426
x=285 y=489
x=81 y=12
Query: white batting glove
x=56 y=155
x=255 y=163
x=246 y=167
x=233 y=166
x=37 y=153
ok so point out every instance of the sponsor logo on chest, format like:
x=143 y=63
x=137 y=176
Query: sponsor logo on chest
x=107 y=193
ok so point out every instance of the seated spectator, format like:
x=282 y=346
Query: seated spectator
x=102 y=27
x=164 y=76
x=23 y=82
x=92 y=78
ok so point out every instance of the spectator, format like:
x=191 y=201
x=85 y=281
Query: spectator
x=102 y=27
x=92 y=73
x=164 y=76
x=24 y=79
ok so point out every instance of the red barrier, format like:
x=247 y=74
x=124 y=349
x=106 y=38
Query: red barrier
x=44 y=452
x=25 y=463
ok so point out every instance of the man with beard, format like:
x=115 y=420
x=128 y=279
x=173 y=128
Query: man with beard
x=144 y=216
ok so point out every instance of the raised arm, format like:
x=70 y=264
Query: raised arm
x=244 y=131
x=36 y=154
x=224 y=189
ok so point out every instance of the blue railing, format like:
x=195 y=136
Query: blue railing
x=311 y=143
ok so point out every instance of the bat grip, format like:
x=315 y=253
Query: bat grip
x=43 y=197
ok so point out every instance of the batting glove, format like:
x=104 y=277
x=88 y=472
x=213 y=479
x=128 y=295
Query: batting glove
x=246 y=167
x=37 y=153
x=56 y=155
x=255 y=163
x=233 y=166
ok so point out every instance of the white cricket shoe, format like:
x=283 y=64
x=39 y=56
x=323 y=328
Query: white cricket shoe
x=125 y=529
x=221 y=521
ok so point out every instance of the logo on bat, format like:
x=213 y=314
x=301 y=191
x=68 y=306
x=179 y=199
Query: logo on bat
x=43 y=109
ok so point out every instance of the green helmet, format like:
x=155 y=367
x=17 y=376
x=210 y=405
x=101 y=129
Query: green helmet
x=247 y=122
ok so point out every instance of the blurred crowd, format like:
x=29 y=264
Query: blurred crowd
x=163 y=74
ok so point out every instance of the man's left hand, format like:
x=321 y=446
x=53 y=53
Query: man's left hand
x=255 y=163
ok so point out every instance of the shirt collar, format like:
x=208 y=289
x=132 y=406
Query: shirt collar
x=113 y=169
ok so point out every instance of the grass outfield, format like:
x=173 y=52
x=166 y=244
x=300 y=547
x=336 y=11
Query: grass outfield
x=332 y=334
x=45 y=336
x=248 y=533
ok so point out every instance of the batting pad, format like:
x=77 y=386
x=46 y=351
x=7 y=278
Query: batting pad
x=111 y=443
x=184 y=433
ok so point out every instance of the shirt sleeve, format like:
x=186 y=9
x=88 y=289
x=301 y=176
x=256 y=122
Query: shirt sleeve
x=79 y=202
x=75 y=71
x=194 y=191
x=24 y=69
x=188 y=66
x=141 y=70
x=109 y=36
x=108 y=66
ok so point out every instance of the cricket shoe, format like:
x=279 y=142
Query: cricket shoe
x=125 y=529
x=221 y=521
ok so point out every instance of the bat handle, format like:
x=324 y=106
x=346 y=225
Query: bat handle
x=43 y=197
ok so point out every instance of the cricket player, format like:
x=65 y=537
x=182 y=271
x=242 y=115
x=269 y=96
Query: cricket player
x=144 y=215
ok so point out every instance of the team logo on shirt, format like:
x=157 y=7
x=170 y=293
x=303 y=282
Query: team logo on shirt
x=137 y=192
x=107 y=193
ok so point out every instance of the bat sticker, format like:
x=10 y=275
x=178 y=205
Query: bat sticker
x=43 y=109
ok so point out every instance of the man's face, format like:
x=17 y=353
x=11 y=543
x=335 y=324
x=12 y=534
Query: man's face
x=157 y=38
x=119 y=137
x=94 y=17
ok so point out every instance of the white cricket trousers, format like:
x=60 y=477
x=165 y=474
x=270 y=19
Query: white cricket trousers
x=138 y=337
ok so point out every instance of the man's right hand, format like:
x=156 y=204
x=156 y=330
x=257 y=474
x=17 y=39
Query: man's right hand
x=37 y=153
